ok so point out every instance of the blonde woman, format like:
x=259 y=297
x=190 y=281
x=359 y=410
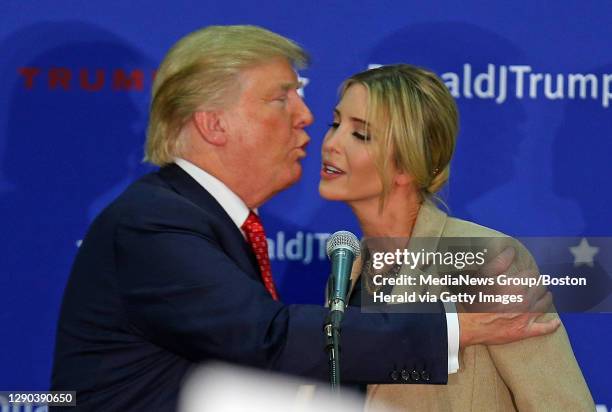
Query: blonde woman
x=386 y=154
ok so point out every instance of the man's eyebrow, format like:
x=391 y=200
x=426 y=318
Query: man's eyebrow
x=291 y=86
x=354 y=119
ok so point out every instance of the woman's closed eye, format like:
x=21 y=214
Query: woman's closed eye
x=362 y=136
x=358 y=135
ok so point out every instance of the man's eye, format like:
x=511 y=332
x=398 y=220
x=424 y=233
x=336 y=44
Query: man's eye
x=334 y=125
x=281 y=99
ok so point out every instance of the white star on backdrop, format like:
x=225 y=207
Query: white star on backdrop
x=584 y=253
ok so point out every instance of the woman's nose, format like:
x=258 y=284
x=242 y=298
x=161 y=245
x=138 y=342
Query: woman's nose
x=331 y=142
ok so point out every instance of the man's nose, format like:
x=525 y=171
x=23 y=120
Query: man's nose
x=303 y=117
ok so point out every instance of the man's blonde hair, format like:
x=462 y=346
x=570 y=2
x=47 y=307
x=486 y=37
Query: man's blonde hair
x=200 y=73
x=417 y=122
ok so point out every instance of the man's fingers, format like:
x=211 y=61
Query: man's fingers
x=500 y=263
x=542 y=328
x=542 y=305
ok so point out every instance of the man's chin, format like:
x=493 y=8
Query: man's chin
x=296 y=174
x=292 y=178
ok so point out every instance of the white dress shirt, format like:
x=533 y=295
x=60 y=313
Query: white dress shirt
x=238 y=212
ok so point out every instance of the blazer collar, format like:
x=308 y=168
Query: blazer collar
x=184 y=184
x=430 y=222
x=230 y=237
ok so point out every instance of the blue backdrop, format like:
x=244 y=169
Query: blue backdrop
x=533 y=84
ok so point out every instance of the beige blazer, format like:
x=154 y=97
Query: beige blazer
x=537 y=374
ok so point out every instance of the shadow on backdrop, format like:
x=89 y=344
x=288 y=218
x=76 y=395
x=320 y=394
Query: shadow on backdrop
x=68 y=146
x=581 y=159
x=581 y=173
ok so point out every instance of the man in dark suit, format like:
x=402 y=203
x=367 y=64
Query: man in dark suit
x=174 y=272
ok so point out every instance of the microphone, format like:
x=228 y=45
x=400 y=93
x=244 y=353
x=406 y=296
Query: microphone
x=342 y=249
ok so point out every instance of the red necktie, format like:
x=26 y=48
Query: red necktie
x=256 y=236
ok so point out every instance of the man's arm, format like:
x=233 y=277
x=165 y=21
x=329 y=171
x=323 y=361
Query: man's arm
x=185 y=294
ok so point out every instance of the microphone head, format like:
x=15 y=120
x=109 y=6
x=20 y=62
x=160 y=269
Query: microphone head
x=343 y=240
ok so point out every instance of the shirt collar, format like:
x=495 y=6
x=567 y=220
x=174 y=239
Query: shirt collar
x=229 y=201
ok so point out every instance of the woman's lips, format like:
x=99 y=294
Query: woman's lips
x=329 y=171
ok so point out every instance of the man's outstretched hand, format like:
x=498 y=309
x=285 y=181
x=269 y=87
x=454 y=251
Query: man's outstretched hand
x=513 y=322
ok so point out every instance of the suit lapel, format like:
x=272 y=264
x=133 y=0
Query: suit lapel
x=228 y=235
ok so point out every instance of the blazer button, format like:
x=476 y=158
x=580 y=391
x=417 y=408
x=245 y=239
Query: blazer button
x=425 y=376
x=405 y=375
x=415 y=376
x=395 y=375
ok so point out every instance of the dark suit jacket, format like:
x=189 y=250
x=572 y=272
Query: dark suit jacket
x=164 y=280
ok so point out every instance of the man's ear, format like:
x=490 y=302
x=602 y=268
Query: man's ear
x=209 y=125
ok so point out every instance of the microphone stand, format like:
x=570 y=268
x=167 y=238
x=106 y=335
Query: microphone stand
x=332 y=345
